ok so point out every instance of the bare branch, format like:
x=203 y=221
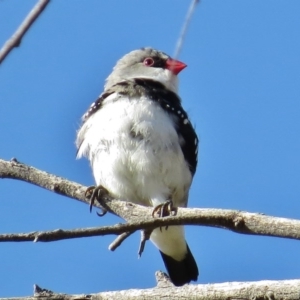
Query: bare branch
x=119 y=240
x=15 y=40
x=140 y=217
x=259 y=290
x=185 y=27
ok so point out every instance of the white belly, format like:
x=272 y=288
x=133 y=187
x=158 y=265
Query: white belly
x=135 y=154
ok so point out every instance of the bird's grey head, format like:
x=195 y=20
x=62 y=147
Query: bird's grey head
x=146 y=63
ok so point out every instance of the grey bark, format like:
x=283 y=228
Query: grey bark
x=140 y=217
x=259 y=290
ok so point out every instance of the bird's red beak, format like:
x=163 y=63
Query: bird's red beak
x=175 y=66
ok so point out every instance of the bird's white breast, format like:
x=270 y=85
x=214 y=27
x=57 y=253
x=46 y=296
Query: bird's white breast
x=135 y=151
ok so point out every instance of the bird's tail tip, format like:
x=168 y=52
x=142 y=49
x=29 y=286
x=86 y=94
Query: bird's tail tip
x=181 y=272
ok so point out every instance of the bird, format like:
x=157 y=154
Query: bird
x=143 y=148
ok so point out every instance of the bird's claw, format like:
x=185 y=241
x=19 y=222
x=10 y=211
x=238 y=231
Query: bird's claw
x=93 y=193
x=164 y=210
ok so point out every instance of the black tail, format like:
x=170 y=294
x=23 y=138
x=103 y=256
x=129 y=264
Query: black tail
x=181 y=272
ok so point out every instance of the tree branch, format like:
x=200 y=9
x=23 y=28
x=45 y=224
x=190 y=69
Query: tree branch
x=259 y=290
x=16 y=38
x=140 y=217
x=186 y=23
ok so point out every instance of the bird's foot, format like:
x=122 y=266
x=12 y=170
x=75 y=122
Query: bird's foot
x=93 y=193
x=165 y=209
x=162 y=210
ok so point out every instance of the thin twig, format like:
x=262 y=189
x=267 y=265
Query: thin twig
x=145 y=236
x=119 y=240
x=249 y=223
x=16 y=38
x=185 y=27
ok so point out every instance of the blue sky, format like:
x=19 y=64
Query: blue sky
x=241 y=90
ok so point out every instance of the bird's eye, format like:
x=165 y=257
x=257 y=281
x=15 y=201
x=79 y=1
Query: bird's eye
x=148 y=62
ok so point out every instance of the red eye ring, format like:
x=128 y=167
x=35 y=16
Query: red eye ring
x=148 y=62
